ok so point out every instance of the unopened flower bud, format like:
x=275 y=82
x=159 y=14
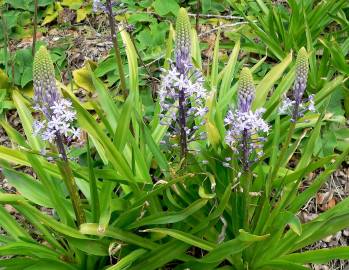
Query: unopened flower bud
x=183 y=41
x=302 y=68
x=246 y=90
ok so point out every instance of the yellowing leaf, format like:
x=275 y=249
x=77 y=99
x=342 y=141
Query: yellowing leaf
x=212 y=133
x=4 y=82
x=51 y=13
x=83 y=78
x=72 y=4
x=82 y=13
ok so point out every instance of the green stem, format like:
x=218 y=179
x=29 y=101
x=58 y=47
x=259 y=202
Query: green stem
x=68 y=177
x=6 y=45
x=116 y=46
x=35 y=22
x=93 y=186
x=246 y=182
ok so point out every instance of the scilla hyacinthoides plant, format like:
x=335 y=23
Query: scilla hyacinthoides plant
x=145 y=213
x=182 y=94
x=59 y=117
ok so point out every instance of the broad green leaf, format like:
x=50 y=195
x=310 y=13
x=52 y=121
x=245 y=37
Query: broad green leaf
x=26 y=120
x=161 y=256
x=170 y=217
x=229 y=70
x=28 y=249
x=185 y=237
x=328 y=88
x=128 y=237
x=35 y=264
x=89 y=123
x=164 y=7
x=231 y=247
x=9 y=224
x=195 y=49
x=28 y=187
x=44 y=219
x=127 y=260
x=269 y=80
x=320 y=256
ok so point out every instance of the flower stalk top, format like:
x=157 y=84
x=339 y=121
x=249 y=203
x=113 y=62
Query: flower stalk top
x=183 y=41
x=298 y=106
x=302 y=68
x=246 y=90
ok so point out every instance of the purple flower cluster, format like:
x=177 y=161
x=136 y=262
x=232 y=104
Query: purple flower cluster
x=47 y=100
x=182 y=95
x=59 y=121
x=298 y=106
x=245 y=126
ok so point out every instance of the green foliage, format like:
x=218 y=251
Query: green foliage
x=145 y=207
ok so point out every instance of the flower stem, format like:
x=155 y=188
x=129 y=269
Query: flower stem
x=182 y=124
x=67 y=174
x=95 y=207
x=35 y=23
x=116 y=46
x=246 y=178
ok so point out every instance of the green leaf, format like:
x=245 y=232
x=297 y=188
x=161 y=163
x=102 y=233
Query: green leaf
x=26 y=120
x=328 y=88
x=214 y=68
x=127 y=260
x=319 y=256
x=170 y=217
x=89 y=123
x=128 y=237
x=35 y=264
x=282 y=265
x=185 y=237
x=9 y=224
x=94 y=247
x=229 y=70
x=231 y=247
x=269 y=80
x=28 y=249
x=28 y=187
x=162 y=8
